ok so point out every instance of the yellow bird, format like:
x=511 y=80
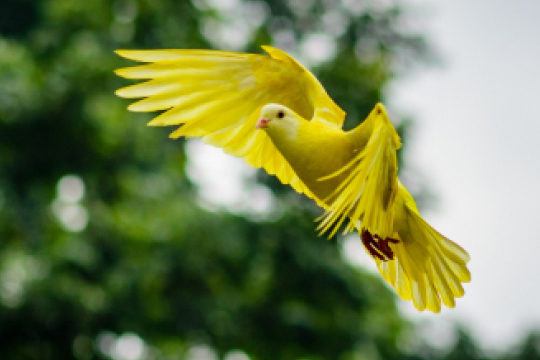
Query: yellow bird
x=273 y=113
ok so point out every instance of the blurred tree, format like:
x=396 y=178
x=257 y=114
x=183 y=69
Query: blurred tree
x=464 y=348
x=105 y=251
x=528 y=349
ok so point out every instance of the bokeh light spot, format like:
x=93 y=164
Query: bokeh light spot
x=70 y=188
x=201 y=352
x=236 y=355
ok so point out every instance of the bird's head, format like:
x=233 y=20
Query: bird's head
x=274 y=117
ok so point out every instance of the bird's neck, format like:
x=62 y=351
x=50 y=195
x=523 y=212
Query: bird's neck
x=314 y=150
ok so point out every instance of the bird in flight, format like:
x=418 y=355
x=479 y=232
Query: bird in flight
x=272 y=112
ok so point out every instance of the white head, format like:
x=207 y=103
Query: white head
x=277 y=118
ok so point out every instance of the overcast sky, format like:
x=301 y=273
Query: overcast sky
x=476 y=134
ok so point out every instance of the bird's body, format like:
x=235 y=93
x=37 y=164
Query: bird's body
x=273 y=112
x=314 y=151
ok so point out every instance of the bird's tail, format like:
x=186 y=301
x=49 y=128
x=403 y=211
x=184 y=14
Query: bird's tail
x=427 y=267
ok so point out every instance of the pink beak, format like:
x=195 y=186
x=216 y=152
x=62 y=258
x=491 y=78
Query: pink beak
x=262 y=123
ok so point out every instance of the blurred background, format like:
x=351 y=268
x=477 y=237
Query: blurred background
x=118 y=243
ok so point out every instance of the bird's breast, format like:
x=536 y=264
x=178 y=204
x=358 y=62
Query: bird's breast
x=314 y=153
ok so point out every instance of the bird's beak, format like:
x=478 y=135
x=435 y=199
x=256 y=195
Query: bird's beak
x=262 y=123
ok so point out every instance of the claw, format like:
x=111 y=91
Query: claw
x=377 y=246
x=370 y=244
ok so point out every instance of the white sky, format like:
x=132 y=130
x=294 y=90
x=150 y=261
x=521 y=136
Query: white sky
x=477 y=124
x=477 y=128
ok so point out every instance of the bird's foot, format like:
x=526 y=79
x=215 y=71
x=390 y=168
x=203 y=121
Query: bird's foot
x=377 y=246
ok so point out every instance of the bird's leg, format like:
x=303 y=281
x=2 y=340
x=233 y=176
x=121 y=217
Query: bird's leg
x=378 y=246
x=383 y=247
x=370 y=244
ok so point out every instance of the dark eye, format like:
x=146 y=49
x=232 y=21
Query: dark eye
x=280 y=114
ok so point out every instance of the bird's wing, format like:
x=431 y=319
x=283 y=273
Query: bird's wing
x=217 y=95
x=370 y=183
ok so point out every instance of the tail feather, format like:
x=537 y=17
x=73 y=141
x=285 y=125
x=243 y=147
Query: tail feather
x=427 y=268
x=393 y=273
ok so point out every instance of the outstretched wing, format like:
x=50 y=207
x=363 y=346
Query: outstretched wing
x=370 y=182
x=217 y=95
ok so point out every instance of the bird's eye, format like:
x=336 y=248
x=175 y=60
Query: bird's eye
x=280 y=114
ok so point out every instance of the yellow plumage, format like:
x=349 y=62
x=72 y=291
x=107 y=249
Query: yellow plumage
x=275 y=114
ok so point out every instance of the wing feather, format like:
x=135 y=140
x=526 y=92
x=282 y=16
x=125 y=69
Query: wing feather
x=218 y=95
x=370 y=180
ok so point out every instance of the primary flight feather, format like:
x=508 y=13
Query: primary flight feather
x=275 y=114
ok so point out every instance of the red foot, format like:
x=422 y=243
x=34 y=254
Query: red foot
x=377 y=246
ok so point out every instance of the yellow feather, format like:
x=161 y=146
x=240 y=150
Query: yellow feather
x=198 y=88
x=371 y=181
x=176 y=54
x=220 y=95
x=148 y=88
